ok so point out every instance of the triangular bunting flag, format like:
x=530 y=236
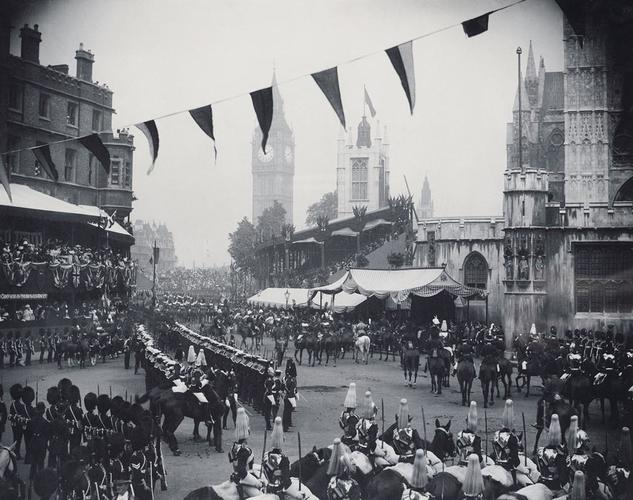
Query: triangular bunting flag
x=93 y=144
x=203 y=116
x=151 y=133
x=43 y=156
x=476 y=26
x=263 y=105
x=5 y=176
x=575 y=13
x=327 y=81
x=401 y=58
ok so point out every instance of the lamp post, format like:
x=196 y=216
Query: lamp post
x=287 y=295
x=519 y=51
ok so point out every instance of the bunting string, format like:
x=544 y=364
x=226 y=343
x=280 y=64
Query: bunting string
x=283 y=82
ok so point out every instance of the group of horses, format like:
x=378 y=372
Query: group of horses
x=333 y=345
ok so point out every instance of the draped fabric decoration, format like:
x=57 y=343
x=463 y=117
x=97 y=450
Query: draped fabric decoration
x=5 y=178
x=327 y=81
x=151 y=133
x=94 y=144
x=263 y=105
x=370 y=105
x=203 y=117
x=476 y=26
x=575 y=12
x=43 y=156
x=401 y=58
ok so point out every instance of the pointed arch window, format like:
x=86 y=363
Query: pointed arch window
x=476 y=271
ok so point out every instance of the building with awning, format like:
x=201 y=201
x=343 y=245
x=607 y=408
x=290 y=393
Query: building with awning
x=283 y=298
x=432 y=289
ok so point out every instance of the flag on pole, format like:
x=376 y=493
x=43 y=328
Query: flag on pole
x=401 y=58
x=476 y=26
x=203 y=117
x=156 y=254
x=263 y=105
x=43 y=156
x=5 y=178
x=370 y=105
x=327 y=80
x=94 y=144
x=151 y=133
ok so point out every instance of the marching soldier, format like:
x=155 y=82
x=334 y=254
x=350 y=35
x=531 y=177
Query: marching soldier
x=406 y=440
x=89 y=417
x=26 y=413
x=74 y=417
x=342 y=485
x=276 y=465
x=58 y=439
x=11 y=348
x=28 y=348
x=506 y=443
x=39 y=429
x=15 y=417
x=551 y=459
x=241 y=455
x=103 y=421
x=468 y=442
x=42 y=344
x=140 y=466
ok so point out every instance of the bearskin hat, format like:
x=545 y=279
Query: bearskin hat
x=15 y=391
x=90 y=401
x=99 y=449
x=40 y=408
x=74 y=395
x=139 y=438
x=124 y=412
x=64 y=386
x=52 y=395
x=116 y=444
x=116 y=403
x=136 y=411
x=103 y=403
x=28 y=395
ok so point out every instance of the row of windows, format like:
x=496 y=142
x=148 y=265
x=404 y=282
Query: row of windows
x=16 y=103
x=359 y=179
x=120 y=171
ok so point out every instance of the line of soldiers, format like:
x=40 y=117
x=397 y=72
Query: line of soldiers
x=18 y=349
x=115 y=442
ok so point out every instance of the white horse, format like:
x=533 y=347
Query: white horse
x=361 y=348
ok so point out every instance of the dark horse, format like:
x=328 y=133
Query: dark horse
x=578 y=388
x=552 y=403
x=465 y=376
x=329 y=346
x=384 y=341
x=488 y=378
x=411 y=363
x=310 y=343
x=438 y=369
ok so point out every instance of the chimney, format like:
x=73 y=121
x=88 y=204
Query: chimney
x=31 y=39
x=85 y=59
x=61 y=68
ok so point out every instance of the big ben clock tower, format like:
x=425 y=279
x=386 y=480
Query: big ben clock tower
x=273 y=172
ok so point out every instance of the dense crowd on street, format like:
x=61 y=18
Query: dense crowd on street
x=213 y=282
x=59 y=252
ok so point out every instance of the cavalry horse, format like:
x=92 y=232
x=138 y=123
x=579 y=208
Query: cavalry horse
x=465 y=377
x=438 y=364
x=329 y=346
x=308 y=342
x=362 y=346
x=411 y=363
x=384 y=341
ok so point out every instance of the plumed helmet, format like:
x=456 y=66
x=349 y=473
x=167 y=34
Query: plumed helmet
x=103 y=403
x=52 y=395
x=74 y=395
x=90 y=401
x=350 y=397
x=241 y=425
x=403 y=414
x=277 y=436
x=368 y=406
x=64 y=386
x=473 y=485
x=334 y=466
x=554 y=437
x=28 y=395
x=572 y=432
x=419 y=477
x=15 y=391
x=471 y=421
x=508 y=415
x=578 y=491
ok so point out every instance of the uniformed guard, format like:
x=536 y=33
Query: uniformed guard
x=28 y=348
x=405 y=439
x=468 y=442
x=119 y=467
x=4 y=414
x=231 y=391
x=241 y=455
x=103 y=420
x=15 y=417
x=269 y=400
x=551 y=459
x=42 y=344
x=74 y=417
x=39 y=429
x=506 y=443
x=276 y=465
x=419 y=479
x=11 y=349
x=350 y=406
x=26 y=413
x=579 y=447
x=473 y=487
x=620 y=471
x=90 y=417
x=368 y=428
x=140 y=466
x=341 y=486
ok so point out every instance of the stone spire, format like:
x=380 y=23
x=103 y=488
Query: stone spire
x=426 y=201
x=279 y=118
x=531 y=79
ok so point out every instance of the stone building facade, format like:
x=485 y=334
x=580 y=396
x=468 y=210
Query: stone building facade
x=45 y=104
x=562 y=253
x=362 y=173
x=145 y=234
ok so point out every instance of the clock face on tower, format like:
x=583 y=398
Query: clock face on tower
x=288 y=154
x=266 y=158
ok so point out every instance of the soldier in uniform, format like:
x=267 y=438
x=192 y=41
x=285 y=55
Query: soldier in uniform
x=341 y=486
x=368 y=429
x=231 y=388
x=3 y=350
x=140 y=466
x=28 y=348
x=506 y=443
x=406 y=440
x=19 y=350
x=118 y=467
x=26 y=413
x=473 y=487
x=290 y=401
x=58 y=441
x=551 y=459
x=4 y=414
x=103 y=420
x=89 y=417
x=270 y=400
x=468 y=442
x=11 y=350
x=74 y=417
x=276 y=465
x=39 y=429
x=15 y=417
x=578 y=446
x=50 y=343
x=241 y=455
x=42 y=344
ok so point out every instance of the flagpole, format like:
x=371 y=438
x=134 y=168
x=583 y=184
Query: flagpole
x=154 y=288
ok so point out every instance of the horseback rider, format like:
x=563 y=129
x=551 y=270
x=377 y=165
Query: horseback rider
x=419 y=479
x=241 y=455
x=551 y=459
x=620 y=472
x=473 y=486
x=506 y=443
x=341 y=486
x=578 y=445
x=368 y=428
x=468 y=442
x=348 y=420
x=406 y=440
x=276 y=465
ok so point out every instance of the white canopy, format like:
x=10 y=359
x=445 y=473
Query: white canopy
x=375 y=223
x=307 y=240
x=276 y=297
x=399 y=284
x=346 y=231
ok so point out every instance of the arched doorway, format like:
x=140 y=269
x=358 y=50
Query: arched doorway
x=475 y=275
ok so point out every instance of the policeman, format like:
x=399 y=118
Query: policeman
x=39 y=429
x=468 y=442
x=28 y=348
x=551 y=459
x=290 y=401
x=276 y=465
x=506 y=443
x=406 y=440
x=342 y=485
x=241 y=455
x=42 y=344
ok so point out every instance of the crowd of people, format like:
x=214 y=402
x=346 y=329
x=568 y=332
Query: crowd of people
x=59 y=252
x=59 y=310
x=210 y=282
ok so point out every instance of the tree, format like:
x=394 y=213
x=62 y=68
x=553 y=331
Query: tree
x=360 y=220
x=395 y=259
x=242 y=246
x=327 y=206
x=270 y=222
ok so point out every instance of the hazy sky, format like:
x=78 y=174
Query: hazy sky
x=162 y=56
